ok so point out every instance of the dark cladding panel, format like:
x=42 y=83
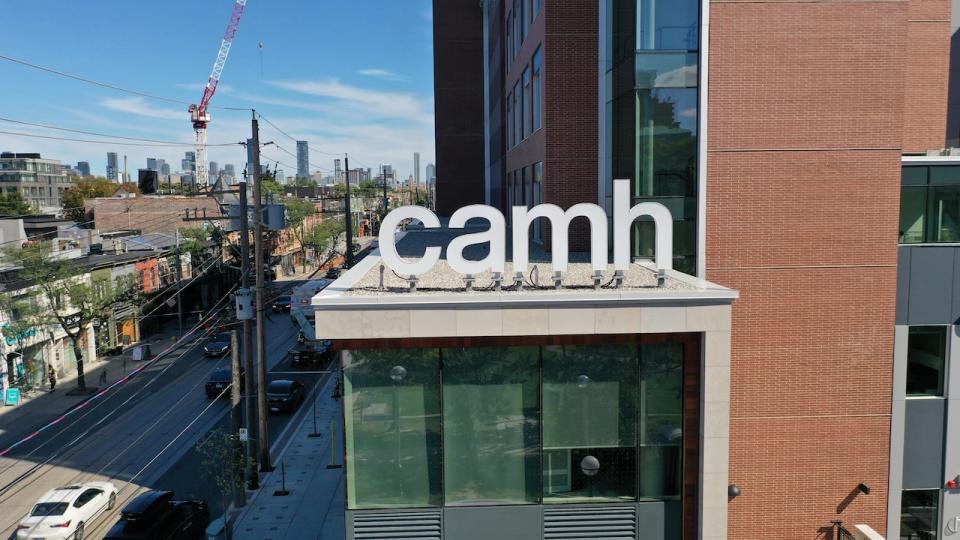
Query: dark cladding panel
x=923 y=448
x=929 y=274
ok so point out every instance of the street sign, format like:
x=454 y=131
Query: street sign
x=244 y=435
x=12 y=397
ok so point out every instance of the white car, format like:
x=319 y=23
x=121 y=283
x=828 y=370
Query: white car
x=63 y=512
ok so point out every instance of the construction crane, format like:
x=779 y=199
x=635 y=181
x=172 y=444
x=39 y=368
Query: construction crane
x=198 y=113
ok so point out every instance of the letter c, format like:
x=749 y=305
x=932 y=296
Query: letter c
x=388 y=245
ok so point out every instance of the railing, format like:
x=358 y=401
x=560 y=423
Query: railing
x=840 y=532
x=860 y=532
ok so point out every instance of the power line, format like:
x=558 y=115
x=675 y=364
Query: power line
x=291 y=137
x=115 y=143
x=48 y=126
x=107 y=85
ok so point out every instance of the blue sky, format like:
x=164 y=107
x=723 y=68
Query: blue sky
x=350 y=76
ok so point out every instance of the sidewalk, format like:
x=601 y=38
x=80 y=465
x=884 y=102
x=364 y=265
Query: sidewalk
x=40 y=405
x=315 y=507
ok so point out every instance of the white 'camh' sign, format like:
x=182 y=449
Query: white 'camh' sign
x=495 y=236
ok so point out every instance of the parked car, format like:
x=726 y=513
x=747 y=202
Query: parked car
x=282 y=304
x=285 y=395
x=311 y=354
x=218 y=381
x=65 y=512
x=218 y=345
x=154 y=515
x=333 y=273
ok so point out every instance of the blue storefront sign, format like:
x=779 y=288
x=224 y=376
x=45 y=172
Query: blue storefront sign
x=12 y=396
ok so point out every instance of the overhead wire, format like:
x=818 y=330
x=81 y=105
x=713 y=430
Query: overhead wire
x=123 y=137
x=114 y=143
x=108 y=85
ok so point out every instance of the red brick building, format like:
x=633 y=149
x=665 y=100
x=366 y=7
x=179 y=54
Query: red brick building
x=774 y=132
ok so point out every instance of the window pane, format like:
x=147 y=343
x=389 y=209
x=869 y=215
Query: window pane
x=517 y=114
x=509 y=120
x=667 y=24
x=926 y=357
x=392 y=427
x=527 y=102
x=666 y=70
x=589 y=413
x=919 y=514
x=661 y=420
x=914 y=176
x=945 y=174
x=913 y=202
x=537 y=90
x=491 y=429
x=944 y=212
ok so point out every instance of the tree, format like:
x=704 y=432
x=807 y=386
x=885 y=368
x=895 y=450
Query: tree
x=224 y=463
x=305 y=182
x=23 y=318
x=298 y=210
x=325 y=237
x=12 y=204
x=193 y=241
x=73 y=198
x=71 y=301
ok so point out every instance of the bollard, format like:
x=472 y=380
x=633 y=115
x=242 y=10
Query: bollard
x=333 y=447
x=282 y=492
x=315 y=433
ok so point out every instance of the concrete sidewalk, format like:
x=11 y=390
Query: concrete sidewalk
x=315 y=506
x=40 y=405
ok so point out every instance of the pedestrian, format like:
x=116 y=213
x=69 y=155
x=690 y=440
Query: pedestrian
x=52 y=377
x=103 y=378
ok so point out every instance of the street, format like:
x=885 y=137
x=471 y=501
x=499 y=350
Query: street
x=142 y=435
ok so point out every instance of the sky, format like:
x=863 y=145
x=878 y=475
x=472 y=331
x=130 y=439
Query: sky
x=351 y=77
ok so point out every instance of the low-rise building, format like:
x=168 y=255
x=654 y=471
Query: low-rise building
x=40 y=181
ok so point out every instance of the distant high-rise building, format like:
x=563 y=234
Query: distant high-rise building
x=152 y=164
x=84 y=168
x=280 y=176
x=416 y=167
x=431 y=176
x=112 y=166
x=229 y=171
x=163 y=167
x=189 y=162
x=214 y=169
x=337 y=171
x=390 y=173
x=303 y=159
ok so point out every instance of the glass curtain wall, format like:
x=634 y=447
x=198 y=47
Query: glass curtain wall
x=514 y=425
x=930 y=204
x=652 y=114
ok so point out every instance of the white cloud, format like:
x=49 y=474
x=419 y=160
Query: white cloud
x=384 y=74
x=139 y=106
x=373 y=103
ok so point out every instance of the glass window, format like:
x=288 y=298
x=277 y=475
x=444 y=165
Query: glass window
x=524 y=10
x=926 y=360
x=537 y=88
x=945 y=174
x=509 y=41
x=589 y=423
x=944 y=212
x=913 y=201
x=510 y=120
x=667 y=24
x=392 y=428
x=661 y=421
x=517 y=15
x=528 y=185
x=915 y=176
x=666 y=70
x=517 y=114
x=919 y=514
x=491 y=430
x=535 y=9
x=527 y=120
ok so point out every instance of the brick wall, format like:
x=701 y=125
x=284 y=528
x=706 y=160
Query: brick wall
x=148 y=214
x=927 y=78
x=806 y=112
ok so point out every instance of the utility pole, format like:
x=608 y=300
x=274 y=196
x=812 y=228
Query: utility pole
x=249 y=410
x=263 y=434
x=239 y=494
x=348 y=226
x=179 y=289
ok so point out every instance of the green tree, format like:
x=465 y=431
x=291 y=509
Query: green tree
x=298 y=210
x=23 y=319
x=224 y=464
x=305 y=182
x=71 y=301
x=325 y=237
x=193 y=240
x=12 y=204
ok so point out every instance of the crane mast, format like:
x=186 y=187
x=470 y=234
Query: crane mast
x=198 y=113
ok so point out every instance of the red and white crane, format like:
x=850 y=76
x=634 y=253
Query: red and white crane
x=198 y=113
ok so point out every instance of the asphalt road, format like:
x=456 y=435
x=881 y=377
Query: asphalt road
x=140 y=436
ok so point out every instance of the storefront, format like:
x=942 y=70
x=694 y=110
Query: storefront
x=531 y=413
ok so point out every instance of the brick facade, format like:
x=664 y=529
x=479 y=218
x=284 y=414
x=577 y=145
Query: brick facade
x=148 y=214
x=806 y=105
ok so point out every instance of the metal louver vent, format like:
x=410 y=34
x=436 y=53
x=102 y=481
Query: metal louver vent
x=619 y=522
x=393 y=525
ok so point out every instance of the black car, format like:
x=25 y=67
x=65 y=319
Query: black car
x=282 y=304
x=218 y=381
x=155 y=515
x=333 y=273
x=218 y=345
x=285 y=395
